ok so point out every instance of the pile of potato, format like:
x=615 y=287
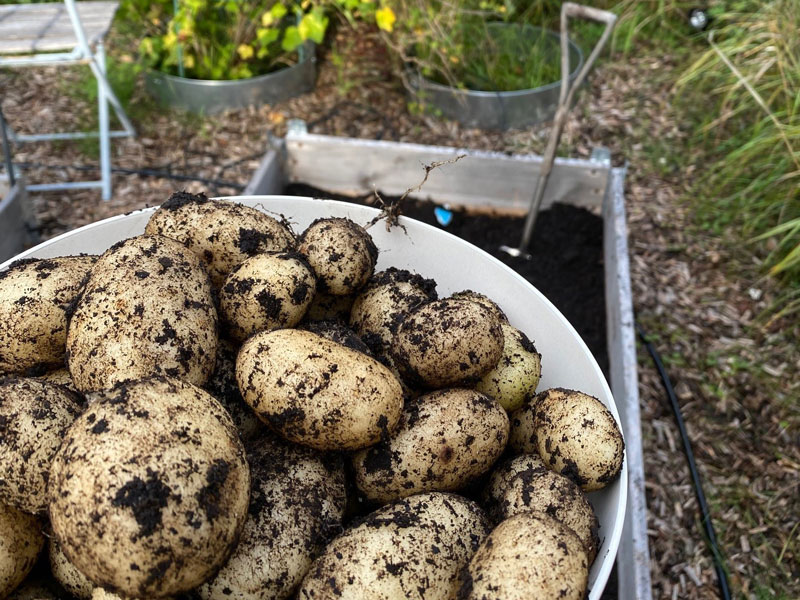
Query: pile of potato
x=250 y=414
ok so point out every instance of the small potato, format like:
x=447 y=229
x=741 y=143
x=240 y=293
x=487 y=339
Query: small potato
x=266 y=291
x=67 y=575
x=483 y=300
x=296 y=507
x=577 y=436
x=517 y=373
x=524 y=483
x=444 y=441
x=530 y=555
x=522 y=439
x=60 y=377
x=222 y=385
x=146 y=310
x=341 y=253
x=383 y=304
x=447 y=343
x=412 y=549
x=316 y=392
x=33 y=418
x=35 y=298
x=21 y=540
x=150 y=489
x=223 y=234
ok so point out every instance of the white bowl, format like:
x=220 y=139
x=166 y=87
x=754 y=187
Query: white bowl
x=455 y=265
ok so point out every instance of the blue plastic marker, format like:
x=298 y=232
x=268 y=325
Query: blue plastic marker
x=443 y=216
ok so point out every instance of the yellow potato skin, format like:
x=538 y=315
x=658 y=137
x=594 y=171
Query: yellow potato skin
x=21 y=540
x=316 y=392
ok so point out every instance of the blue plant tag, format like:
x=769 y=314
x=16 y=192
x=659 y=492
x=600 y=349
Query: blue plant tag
x=443 y=216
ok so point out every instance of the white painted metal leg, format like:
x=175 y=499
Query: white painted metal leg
x=102 y=114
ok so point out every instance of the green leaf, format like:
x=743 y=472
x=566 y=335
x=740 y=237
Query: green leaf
x=278 y=11
x=313 y=25
x=291 y=39
x=266 y=36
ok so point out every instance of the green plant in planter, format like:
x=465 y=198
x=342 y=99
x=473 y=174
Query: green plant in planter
x=230 y=39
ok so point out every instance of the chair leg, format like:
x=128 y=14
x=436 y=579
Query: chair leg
x=105 y=138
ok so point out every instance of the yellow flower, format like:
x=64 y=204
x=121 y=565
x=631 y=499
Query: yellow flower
x=245 y=51
x=385 y=18
x=188 y=61
x=267 y=19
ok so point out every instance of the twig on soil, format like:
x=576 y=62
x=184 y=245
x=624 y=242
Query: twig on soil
x=391 y=212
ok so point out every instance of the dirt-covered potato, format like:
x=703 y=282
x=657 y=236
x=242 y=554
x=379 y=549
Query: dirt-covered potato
x=35 y=298
x=524 y=483
x=67 y=575
x=223 y=234
x=445 y=439
x=577 y=436
x=316 y=392
x=414 y=548
x=341 y=253
x=146 y=310
x=483 y=300
x=530 y=555
x=337 y=331
x=516 y=375
x=447 y=343
x=150 y=489
x=21 y=540
x=383 y=304
x=60 y=377
x=33 y=418
x=296 y=506
x=266 y=291
x=222 y=385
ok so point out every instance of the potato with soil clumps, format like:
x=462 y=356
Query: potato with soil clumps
x=35 y=299
x=445 y=440
x=267 y=291
x=337 y=331
x=577 y=436
x=341 y=252
x=517 y=373
x=67 y=575
x=316 y=392
x=483 y=300
x=21 y=540
x=383 y=304
x=33 y=418
x=150 y=489
x=530 y=555
x=524 y=483
x=223 y=234
x=447 y=343
x=146 y=310
x=411 y=549
x=296 y=506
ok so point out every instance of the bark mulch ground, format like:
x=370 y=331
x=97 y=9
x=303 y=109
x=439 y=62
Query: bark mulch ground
x=698 y=297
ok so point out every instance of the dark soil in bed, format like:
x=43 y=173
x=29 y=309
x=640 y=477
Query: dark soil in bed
x=567 y=249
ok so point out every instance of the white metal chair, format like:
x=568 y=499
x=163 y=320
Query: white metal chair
x=63 y=33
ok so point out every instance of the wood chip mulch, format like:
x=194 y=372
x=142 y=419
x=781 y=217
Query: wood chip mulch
x=698 y=297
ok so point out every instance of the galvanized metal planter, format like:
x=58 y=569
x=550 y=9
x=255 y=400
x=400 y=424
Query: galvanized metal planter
x=208 y=97
x=16 y=223
x=495 y=110
x=501 y=182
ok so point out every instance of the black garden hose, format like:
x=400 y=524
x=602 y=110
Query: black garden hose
x=719 y=567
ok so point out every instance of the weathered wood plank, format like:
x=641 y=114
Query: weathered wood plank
x=30 y=28
x=356 y=166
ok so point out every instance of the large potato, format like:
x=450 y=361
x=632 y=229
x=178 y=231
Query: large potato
x=21 y=540
x=35 y=297
x=150 y=489
x=531 y=555
x=414 y=548
x=516 y=375
x=445 y=439
x=383 y=304
x=524 y=483
x=266 y=291
x=33 y=418
x=447 y=343
x=146 y=310
x=577 y=436
x=223 y=234
x=316 y=392
x=296 y=507
x=341 y=253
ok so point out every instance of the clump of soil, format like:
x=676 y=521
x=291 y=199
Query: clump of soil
x=567 y=249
